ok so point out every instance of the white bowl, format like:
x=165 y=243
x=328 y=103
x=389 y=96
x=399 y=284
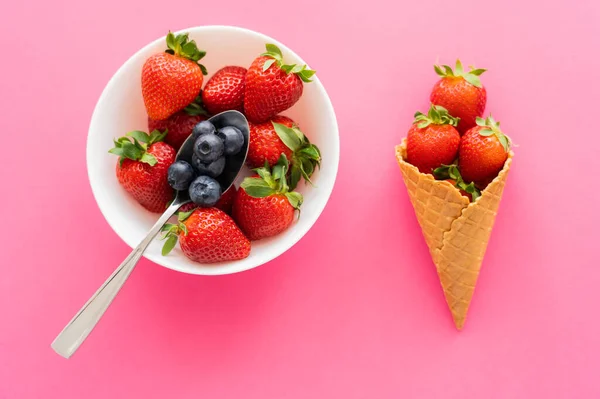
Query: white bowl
x=120 y=109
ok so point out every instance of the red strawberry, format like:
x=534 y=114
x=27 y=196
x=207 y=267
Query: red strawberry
x=451 y=174
x=179 y=126
x=173 y=79
x=225 y=90
x=281 y=135
x=225 y=202
x=271 y=86
x=483 y=152
x=264 y=206
x=142 y=168
x=432 y=140
x=461 y=93
x=207 y=235
x=265 y=144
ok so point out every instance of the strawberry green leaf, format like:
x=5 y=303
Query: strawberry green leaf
x=182 y=38
x=311 y=152
x=116 y=151
x=307 y=169
x=157 y=136
x=295 y=175
x=140 y=136
x=469 y=188
x=473 y=79
x=182 y=216
x=477 y=72
x=171 y=40
x=298 y=68
x=149 y=159
x=295 y=199
x=278 y=172
x=480 y=121
x=274 y=51
x=196 y=107
x=436 y=115
x=169 y=245
x=167 y=227
x=448 y=70
x=268 y=64
x=265 y=174
x=458 y=68
x=442 y=173
x=181 y=46
x=504 y=141
x=130 y=151
x=183 y=228
x=471 y=76
x=288 y=68
x=257 y=188
x=288 y=136
x=306 y=75
x=486 y=132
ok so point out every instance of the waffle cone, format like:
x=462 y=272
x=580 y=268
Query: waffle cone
x=456 y=231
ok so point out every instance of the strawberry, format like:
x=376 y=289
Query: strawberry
x=225 y=90
x=272 y=86
x=173 y=79
x=142 y=168
x=281 y=135
x=206 y=235
x=180 y=124
x=461 y=93
x=432 y=140
x=264 y=206
x=225 y=202
x=483 y=151
x=451 y=174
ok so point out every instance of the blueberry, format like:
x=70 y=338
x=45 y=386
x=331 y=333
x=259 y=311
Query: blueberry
x=213 y=169
x=208 y=148
x=232 y=138
x=205 y=191
x=202 y=128
x=180 y=175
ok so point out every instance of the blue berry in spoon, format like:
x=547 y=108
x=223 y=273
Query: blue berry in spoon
x=233 y=139
x=208 y=148
x=213 y=169
x=202 y=128
x=205 y=191
x=180 y=175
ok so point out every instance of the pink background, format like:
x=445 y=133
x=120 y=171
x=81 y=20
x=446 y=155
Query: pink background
x=354 y=310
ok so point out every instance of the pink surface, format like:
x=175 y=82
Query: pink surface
x=354 y=310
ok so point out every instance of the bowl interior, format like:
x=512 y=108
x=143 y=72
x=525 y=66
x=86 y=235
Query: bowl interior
x=120 y=109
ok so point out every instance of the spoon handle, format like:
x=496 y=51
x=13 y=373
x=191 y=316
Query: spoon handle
x=74 y=333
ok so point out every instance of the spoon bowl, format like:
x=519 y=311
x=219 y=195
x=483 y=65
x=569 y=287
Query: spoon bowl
x=234 y=164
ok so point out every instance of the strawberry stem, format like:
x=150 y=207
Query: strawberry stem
x=271 y=182
x=437 y=115
x=277 y=58
x=196 y=107
x=492 y=127
x=306 y=157
x=181 y=46
x=134 y=145
x=471 y=76
x=445 y=172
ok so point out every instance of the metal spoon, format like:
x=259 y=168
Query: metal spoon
x=74 y=333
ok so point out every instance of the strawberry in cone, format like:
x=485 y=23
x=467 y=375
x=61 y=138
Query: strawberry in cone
x=456 y=218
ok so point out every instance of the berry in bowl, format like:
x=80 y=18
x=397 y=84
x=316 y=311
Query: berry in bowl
x=165 y=101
